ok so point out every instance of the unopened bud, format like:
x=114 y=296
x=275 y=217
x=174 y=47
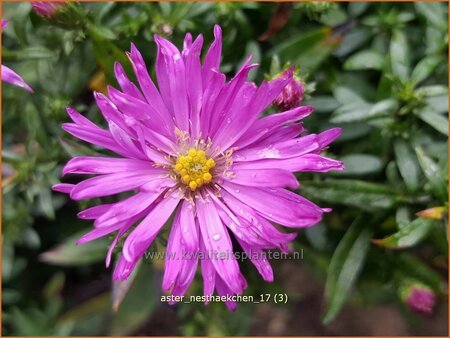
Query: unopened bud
x=47 y=9
x=292 y=94
x=418 y=297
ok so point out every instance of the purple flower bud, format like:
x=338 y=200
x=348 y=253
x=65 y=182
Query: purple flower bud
x=419 y=298
x=46 y=9
x=292 y=94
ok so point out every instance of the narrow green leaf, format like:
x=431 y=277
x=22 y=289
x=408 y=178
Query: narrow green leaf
x=121 y=288
x=438 y=103
x=432 y=90
x=407 y=164
x=409 y=235
x=360 y=194
x=425 y=68
x=435 y=120
x=399 y=54
x=70 y=254
x=383 y=108
x=365 y=59
x=351 y=112
x=434 y=12
x=353 y=40
x=360 y=164
x=323 y=104
x=138 y=305
x=357 y=8
x=433 y=173
x=345 y=95
x=415 y=267
x=345 y=266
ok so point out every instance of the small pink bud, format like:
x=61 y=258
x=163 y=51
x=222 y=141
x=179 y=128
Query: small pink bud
x=419 y=298
x=292 y=94
x=46 y=9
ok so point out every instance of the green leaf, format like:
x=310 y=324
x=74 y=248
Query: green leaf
x=357 y=8
x=365 y=59
x=383 y=108
x=434 y=12
x=425 y=68
x=121 y=288
x=140 y=302
x=435 y=120
x=106 y=52
x=345 y=95
x=438 y=103
x=353 y=111
x=70 y=254
x=399 y=54
x=29 y=53
x=414 y=267
x=308 y=50
x=290 y=49
x=407 y=164
x=353 y=40
x=46 y=202
x=432 y=90
x=409 y=235
x=433 y=173
x=353 y=131
x=345 y=266
x=402 y=217
x=323 y=104
x=360 y=164
x=354 y=193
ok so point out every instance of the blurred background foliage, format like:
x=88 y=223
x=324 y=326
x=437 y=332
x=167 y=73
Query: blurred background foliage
x=377 y=70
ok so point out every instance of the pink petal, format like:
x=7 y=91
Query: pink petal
x=208 y=271
x=218 y=244
x=259 y=260
x=65 y=188
x=126 y=209
x=291 y=148
x=278 y=205
x=308 y=162
x=110 y=184
x=267 y=125
x=105 y=165
x=95 y=211
x=213 y=55
x=97 y=136
x=171 y=66
x=143 y=235
x=127 y=86
x=194 y=90
x=148 y=87
x=189 y=228
x=265 y=178
x=10 y=76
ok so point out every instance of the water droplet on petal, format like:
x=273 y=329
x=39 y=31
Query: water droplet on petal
x=236 y=190
x=216 y=237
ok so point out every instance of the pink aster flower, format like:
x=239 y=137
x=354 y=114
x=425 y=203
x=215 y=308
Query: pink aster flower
x=292 y=94
x=10 y=76
x=197 y=147
x=46 y=9
x=420 y=298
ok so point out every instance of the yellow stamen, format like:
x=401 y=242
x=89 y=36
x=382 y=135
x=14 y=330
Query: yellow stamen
x=193 y=169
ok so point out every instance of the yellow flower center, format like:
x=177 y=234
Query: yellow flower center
x=194 y=168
